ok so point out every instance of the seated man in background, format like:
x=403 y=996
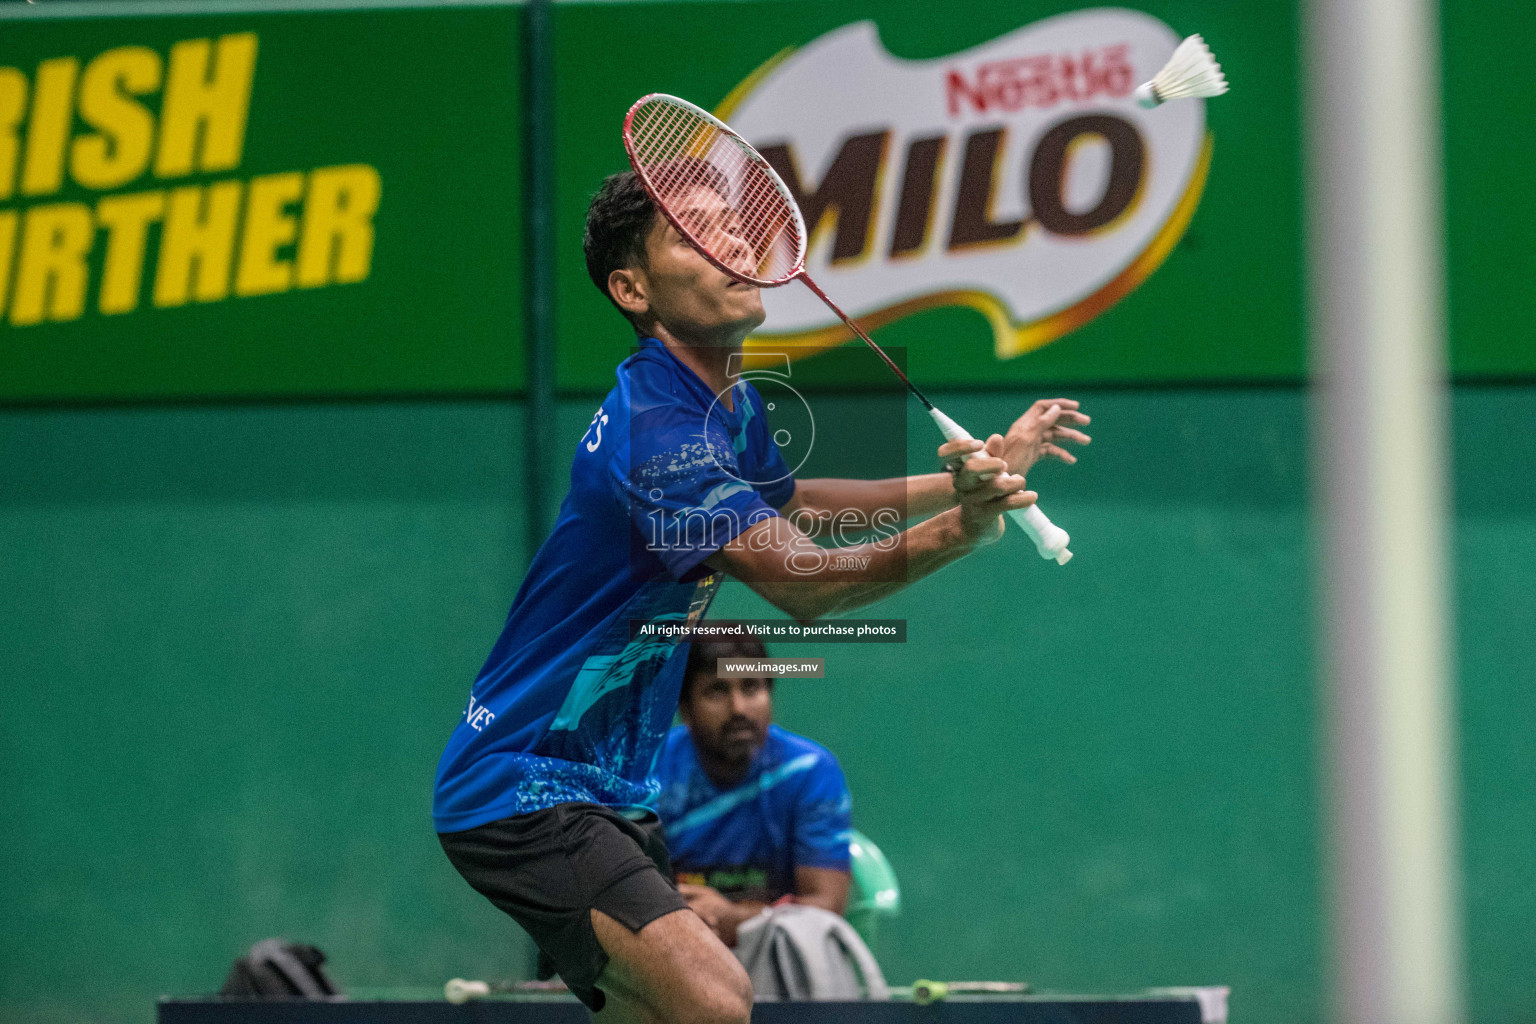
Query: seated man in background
x=753 y=814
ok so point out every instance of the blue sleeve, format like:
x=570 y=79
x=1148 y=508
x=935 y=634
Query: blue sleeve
x=681 y=485
x=823 y=817
x=771 y=465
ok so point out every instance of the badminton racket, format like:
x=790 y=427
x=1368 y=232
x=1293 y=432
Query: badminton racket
x=677 y=148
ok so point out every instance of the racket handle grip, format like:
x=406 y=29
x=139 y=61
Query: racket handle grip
x=460 y=991
x=1050 y=540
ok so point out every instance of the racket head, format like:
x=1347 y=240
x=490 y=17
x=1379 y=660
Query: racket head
x=755 y=232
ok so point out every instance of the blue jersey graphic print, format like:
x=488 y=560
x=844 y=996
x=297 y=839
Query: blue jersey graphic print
x=791 y=810
x=573 y=703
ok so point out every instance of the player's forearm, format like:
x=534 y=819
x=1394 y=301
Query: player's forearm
x=826 y=888
x=817 y=503
x=929 y=494
x=738 y=915
x=810 y=582
x=927 y=547
x=835 y=902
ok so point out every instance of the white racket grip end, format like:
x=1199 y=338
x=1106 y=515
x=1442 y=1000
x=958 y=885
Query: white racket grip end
x=951 y=430
x=1050 y=540
x=460 y=991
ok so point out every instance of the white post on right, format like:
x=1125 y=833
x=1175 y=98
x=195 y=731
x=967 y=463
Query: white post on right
x=1380 y=438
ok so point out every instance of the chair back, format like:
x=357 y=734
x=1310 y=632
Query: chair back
x=874 y=895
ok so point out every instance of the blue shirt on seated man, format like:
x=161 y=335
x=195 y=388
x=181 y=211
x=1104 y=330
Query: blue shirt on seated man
x=753 y=813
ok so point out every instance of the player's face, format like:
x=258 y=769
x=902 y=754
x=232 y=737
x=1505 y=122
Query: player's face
x=729 y=718
x=685 y=292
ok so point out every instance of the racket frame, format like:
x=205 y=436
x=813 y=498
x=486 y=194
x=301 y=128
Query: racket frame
x=750 y=152
x=798 y=271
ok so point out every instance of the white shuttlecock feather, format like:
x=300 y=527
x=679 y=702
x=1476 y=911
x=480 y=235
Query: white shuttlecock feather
x=1190 y=73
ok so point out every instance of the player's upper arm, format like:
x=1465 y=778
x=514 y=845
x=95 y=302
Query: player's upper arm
x=775 y=480
x=776 y=559
x=826 y=888
x=823 y=810
x=796 y=500
x=823 y=816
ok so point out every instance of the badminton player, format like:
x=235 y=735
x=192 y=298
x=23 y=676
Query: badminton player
x=544 y=793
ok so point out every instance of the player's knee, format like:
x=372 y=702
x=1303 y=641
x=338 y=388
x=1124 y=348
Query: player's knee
x=727 y=999
x=741 y=992
x=724 y=1007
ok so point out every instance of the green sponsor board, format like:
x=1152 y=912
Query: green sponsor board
x=200 y=200
x=987 y=193
x=211 y=202
x=1490 y=178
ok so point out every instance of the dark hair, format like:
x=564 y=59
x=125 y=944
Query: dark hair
x=621 y=213
x=618 y=220
x=703 y=655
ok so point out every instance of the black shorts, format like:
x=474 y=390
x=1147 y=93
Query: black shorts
x=551 y=868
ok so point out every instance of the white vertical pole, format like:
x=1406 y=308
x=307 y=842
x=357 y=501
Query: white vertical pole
x=1380 y=447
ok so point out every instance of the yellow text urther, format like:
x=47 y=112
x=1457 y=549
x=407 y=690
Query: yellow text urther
x=256 y=236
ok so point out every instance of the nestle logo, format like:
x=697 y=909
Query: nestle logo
x=1041 y=81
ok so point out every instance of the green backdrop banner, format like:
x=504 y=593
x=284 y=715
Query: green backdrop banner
x=985 y=187
x=208 y=203
x=1490 y=182
x=260 y=204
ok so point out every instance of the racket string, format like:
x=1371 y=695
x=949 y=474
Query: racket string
x=678 y=152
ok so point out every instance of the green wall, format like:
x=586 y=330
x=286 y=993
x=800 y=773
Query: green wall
x=1101 y=777
x=234 y=637
x=1495 y=563
x=233 y=640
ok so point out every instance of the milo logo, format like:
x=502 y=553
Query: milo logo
x=1018 y=178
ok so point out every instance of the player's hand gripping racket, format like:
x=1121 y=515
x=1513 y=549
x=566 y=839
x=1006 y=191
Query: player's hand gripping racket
x=677 y=148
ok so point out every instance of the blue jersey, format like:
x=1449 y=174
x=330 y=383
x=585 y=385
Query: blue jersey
x=791 y=810
x=574 y=702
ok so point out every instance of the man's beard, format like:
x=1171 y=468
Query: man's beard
x=739 y=745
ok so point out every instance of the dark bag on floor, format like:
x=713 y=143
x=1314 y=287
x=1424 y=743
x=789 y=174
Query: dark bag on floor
x=278 y=969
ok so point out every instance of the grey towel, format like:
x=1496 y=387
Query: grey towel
x=800 y=952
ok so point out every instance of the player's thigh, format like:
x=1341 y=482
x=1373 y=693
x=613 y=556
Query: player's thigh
x=675 y=969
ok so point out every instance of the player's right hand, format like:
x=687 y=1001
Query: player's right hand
x=984 y=487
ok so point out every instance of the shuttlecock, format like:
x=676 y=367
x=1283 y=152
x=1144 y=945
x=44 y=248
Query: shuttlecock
x=1190 y=73
x=459 y=991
